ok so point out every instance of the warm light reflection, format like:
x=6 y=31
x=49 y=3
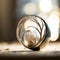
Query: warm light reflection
x=12 y=47
x=29 y=8
x=45 y=5
x=53 y=23
x=51 y=47
x=18 y=47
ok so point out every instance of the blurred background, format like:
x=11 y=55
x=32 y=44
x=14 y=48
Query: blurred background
x=12 y=10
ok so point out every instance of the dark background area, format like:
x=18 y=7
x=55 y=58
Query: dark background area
x=7 y=20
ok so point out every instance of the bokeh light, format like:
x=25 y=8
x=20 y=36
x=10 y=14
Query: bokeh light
x=45 y=5
x=53 y=23
x=29 y=8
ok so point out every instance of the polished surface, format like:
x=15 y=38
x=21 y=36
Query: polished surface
x=18 y=51
x=16 y=46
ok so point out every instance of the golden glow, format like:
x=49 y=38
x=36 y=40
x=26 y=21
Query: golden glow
x=51 y=47
x=53 y=23
x=45 y=5
x=29 y=8
x=18 y=47
x=12 y=47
